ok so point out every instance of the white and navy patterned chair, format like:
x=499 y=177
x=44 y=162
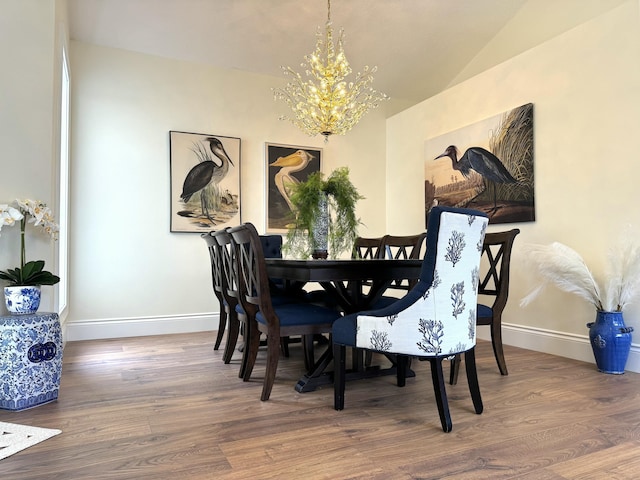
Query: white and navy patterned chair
x=436 y=319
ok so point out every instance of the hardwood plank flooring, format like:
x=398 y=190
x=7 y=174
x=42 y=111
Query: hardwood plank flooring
x=166 y=407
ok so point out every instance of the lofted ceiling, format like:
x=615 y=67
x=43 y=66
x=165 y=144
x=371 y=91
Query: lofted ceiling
x=419 y=46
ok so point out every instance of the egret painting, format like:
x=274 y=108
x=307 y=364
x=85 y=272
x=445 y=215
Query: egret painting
x=286 y=165
x=487 y=166
x=205 y=181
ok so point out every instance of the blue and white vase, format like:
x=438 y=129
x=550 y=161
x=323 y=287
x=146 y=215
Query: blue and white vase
x=610 y=341
x=23 y=300
x=320 y=231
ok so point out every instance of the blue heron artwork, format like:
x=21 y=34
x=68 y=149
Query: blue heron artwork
x=486 y=166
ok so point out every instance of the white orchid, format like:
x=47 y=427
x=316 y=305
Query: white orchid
x=9 y=215
x=37 y=213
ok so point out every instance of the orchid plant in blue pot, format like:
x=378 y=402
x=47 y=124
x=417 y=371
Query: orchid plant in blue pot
x=22 y=294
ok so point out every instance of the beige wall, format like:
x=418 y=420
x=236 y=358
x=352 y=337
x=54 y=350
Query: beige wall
x=585 y=87
x=128 y=269
x=31 y=36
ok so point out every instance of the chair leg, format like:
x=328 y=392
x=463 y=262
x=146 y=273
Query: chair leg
x=273 y=355
x=232 y=337
x=455 y=369
x=496 y=341
x=339 y=367
x=437 y=376
x=472 y=378
x=284 y=344
x=221 y=327
x=401 y=369
x=251 y=351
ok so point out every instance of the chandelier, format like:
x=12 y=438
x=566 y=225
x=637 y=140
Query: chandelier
x=326 y=103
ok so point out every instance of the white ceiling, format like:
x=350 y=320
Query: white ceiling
x=419 y=46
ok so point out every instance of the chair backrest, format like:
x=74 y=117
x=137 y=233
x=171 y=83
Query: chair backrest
x=216 y=263
x=402 y=248
x=271 y=246
x=367 y=248
x=437 y=317
x=496 y=260
x=253 y=282
x=229 y=275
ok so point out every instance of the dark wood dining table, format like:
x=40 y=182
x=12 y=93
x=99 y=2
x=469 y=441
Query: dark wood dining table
x=354 y=284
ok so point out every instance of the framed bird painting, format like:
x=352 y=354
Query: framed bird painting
x=205 y=181
x=486 y=166
x=285 y=166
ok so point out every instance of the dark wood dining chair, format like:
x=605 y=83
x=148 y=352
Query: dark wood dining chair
x=235 y=316
x=216 y=280
x=403 y=247
x=494 y=287
x=275 y=320
x=367 y=248
x=435 y=320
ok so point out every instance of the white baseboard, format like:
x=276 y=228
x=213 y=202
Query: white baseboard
x=562 y=344
x=538 y=339
x=139 y=327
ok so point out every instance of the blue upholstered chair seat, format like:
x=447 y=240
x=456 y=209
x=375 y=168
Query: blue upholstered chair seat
x=484 y=311
x=300 y=314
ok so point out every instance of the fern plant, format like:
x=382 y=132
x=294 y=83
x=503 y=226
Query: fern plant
x=342 y=197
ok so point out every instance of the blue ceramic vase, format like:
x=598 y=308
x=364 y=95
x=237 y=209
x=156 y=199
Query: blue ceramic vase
x=610 y=341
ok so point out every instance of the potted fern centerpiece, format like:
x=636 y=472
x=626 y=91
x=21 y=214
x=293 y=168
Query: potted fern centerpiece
x=563 y=267
x=325 y=219
x=22 y=294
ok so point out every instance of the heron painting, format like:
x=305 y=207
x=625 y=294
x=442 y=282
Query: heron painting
x=205 y=181
x=487 y=166
x=286 y=165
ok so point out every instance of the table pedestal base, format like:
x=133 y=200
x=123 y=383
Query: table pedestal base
x=318 y=377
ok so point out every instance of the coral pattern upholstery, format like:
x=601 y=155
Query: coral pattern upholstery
x=448 y=304
x=437 y=318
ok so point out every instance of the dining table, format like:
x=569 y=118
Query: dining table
x=352 y=284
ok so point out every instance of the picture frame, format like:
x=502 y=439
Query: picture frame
x=205 y=181
x=284 y=165
x=486 y=166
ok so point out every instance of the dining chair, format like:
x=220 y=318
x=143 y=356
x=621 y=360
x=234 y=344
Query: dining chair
x=367 y=248
x=275 y=320
x=493 y=286
x=216 y=280
x=398 y=247
x=235 y=316
x=433 y=321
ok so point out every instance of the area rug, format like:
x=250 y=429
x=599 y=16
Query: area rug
x=14 y=438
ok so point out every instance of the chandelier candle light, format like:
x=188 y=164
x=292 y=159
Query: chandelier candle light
x=326 y=103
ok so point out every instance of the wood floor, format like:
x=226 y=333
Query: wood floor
x=166 y=407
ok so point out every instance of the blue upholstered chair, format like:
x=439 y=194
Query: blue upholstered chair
x=436 y=319
x=273 y=320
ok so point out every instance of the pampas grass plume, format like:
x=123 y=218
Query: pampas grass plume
x=560 y=265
